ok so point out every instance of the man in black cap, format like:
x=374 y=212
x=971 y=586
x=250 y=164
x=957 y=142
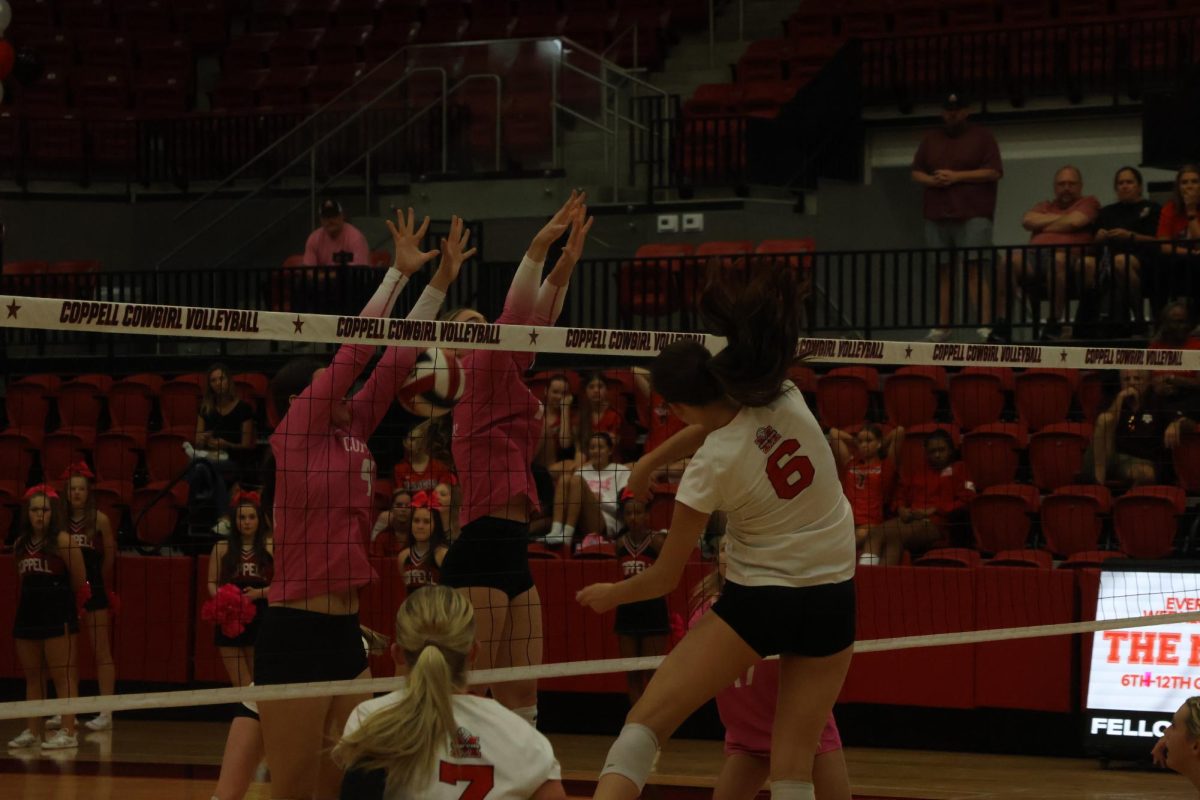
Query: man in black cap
x=959 y=167
x=336 y=242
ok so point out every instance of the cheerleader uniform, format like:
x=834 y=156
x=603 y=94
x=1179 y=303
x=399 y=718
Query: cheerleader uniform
x=92 y=547
x=420 y=572
x=46 y=608
x=253 y=572
x=645 y=617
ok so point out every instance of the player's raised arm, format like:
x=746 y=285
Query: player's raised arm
x=553 y=291
x=522 y=294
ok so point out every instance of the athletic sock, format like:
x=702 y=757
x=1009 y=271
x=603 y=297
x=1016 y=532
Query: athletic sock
x=555 y=536
x=868 y=558
x=528 y=713
x=792 y=790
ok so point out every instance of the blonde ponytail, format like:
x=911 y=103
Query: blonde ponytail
x=435 y=628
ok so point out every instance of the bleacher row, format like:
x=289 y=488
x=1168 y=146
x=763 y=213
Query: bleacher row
x=159 y=638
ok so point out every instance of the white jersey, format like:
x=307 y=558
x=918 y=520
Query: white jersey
x=773 y=474
x=495 y=755
x=607 y=484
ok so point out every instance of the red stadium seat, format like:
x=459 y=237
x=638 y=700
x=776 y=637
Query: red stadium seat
x=763 y=60
x=49 y=93
x=1071 y=518
x=155 y=515
x=1056 y=453
x=105 y=50
x=1004 y=374
x=651 y=284
x=1090 y=394
x=248 y=52
x=1187 y=462
x=27 y=405
x=238 y=90
x=1001 y=517
x=1037 y=559
x=295 y=48
x=204 y=22
x=102 y=90
x=272 y=15
x=1146 y=520
x=86 y=15
x=59 y=451
x=714 y=100
x=360 y=12
x=937 y=374
x=842 y=400
x=166 y=461
x=166 y=55
x=596 y=549
x=343 y=45
x=909 y=399
x=144 y=16
x=976 y=399
x=160 y=93
x=179 y=402
x=130 y=403
x=950 y=557
x=116 y=461
x=1043 y=397
x=251 y=387
x=79 y=407
x=16 y=459
x=314 y=13
x=1089 y=559
x=804 y=378
x=286 y=87
x=539 y=550
x=991 y=453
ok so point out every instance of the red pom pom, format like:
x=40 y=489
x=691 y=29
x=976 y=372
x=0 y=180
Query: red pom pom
x=114 y=603
x=82 y=595
x=678 y=629
x=230 y=609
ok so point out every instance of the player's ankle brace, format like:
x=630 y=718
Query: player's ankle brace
x=632 y=754
x=527 y=713
x=792 y=790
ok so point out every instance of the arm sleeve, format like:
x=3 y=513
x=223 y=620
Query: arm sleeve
x=549 y=303
x=381 y=389
x=522 y=294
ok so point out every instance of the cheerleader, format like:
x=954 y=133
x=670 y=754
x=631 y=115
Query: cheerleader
x=52 y=574
x=759 y=455
x=91 y=533
x=432 y=739
x=421 y=559
x=642 y=627
x=244 y=559
x=497 y=429
x=324 y=488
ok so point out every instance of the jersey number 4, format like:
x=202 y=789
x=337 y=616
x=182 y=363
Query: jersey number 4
x=480 y=778
x=790 y=474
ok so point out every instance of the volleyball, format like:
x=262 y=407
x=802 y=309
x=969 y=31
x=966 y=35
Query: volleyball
x=434 y=385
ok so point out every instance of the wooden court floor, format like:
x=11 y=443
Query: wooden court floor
x=142 y=760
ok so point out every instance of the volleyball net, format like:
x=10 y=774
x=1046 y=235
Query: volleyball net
x=1023 y=513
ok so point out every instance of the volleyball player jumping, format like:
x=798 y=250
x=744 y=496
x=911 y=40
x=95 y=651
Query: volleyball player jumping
x=323 y=495
x=497 y=431
x=761 y=458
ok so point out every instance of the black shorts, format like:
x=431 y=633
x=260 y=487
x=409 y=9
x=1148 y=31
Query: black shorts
x=804 y=621
x=644 y=618
x=249 y=634
x=297 y=646
x=490 y=552
x=45 y=613
x=95 y=578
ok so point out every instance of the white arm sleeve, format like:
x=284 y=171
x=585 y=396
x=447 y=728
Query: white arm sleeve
x=428 y=304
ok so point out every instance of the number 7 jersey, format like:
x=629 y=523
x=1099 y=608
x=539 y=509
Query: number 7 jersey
x=773 y=474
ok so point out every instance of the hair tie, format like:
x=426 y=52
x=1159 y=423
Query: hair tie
x=246 y=498
x=78 y=468
x=41 y=488
x=426 y=500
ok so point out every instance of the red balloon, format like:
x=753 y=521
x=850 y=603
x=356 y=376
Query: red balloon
x=7 y=57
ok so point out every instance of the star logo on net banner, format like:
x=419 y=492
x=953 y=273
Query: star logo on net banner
x=533 y=336
x=298 y=324
x=13 y=308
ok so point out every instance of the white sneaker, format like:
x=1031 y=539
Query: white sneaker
x=223 y=527
x=54 y=723
x=937 y=335
x=24 y=740
x=191 y=451
x=61 y=740
x=101 y=722
x=984 y=333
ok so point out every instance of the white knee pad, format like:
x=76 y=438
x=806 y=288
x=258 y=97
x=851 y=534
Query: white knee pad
x=528 y=713
x=632 y=754
x=792 y=790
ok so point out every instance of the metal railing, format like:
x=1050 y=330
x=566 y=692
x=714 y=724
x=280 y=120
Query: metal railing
x=861 y=293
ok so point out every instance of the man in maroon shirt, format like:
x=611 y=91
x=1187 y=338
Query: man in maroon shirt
x=959 y=166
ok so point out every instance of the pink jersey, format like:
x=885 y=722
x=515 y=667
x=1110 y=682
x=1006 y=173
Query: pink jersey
x=747 y=708
x=324 y=474
x=321 y=250
x=498 y=421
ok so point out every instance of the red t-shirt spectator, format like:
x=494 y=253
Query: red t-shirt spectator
x=947 y=490
x=1172 y=222
x=656 y=416
x=426 y=480
x=609 y=422
x=868 y=487
x=1088 y=206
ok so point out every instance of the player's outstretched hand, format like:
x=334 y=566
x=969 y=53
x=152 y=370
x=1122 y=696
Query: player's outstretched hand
x=599 y=597
x=454 y=254
x=581 y=223
x=407 y=242
x=553 y=230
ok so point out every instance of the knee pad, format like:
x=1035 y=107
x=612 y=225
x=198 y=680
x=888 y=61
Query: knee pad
x=528 y=713
x=792 y=790
x=632 y=754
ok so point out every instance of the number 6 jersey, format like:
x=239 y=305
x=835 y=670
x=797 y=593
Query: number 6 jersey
x=493 y=754
x=772 y=472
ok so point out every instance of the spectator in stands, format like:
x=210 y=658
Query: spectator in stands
x=655 y=414
x=1179 y=747
x=926 y=503
x=556 y=453
x=420 y=470
x=1176 y=332
x=391 y=528
x=336 y=242
x=959 y=166
x=1120 y=227
x=1064 y=223
x=596 y=414
x=867 y=461
x=589 y=499
x=447 y=503
x=1146 y=420
x=1180 y=224
x=225 y=443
